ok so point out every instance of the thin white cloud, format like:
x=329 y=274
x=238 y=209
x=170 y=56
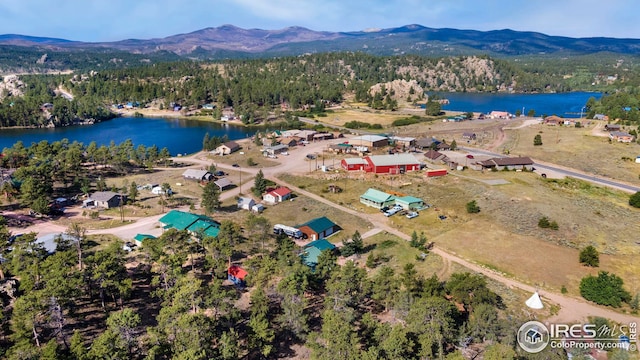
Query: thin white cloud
x=99 y=20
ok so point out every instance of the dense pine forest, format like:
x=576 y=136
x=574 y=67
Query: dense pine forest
x=258 y=86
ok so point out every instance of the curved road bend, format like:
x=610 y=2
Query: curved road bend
x=598 y=180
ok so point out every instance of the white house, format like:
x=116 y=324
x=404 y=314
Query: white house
x=278 y=195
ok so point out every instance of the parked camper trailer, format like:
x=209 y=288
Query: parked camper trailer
x=288 y=230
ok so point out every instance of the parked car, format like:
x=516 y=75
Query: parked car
x=235 y=165
x=384 y=209
x=412 y=214
x=219 y=173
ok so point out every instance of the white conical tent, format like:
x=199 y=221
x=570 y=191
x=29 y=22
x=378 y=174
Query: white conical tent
x=534 y=301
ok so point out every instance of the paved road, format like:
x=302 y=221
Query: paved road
x=540 y=165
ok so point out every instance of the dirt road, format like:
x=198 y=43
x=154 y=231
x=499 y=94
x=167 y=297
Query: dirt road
x=572 y=309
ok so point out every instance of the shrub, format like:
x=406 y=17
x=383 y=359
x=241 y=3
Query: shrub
x=605 y=289
x=634 y=200
x=589 y=256
x=545 y=223
x=563 y=289
x=537 y=140
x=472 y=207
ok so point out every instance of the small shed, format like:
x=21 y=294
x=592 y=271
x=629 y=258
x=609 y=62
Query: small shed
x=237 y=275
x=257 y=208
x=245 y=203
x=140 y=238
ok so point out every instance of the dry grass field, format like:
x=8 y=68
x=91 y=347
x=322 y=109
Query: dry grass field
x=505 y=235
x=577 y=148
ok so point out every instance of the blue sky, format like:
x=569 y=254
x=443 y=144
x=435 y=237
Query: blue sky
x=101 y=20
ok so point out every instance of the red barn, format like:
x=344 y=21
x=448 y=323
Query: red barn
x=391 y=164
x=350 y=164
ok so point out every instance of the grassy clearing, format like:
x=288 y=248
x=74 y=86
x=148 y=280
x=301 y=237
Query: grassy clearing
x=505 y=235
x=400 y=253
x=576 y=148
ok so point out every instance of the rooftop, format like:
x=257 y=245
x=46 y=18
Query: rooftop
x=104 y=195
x=395 y=159
x=377 y=196
x=372 y=138
x=318 y=224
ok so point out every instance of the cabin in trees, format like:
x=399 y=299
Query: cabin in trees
x=197 y=175
x=277 y=195
x=105 y=199
x=318 y=228
x=193 y=223
x=227 y=148
x=237 y=275
x=139 y=239
x=311 y=252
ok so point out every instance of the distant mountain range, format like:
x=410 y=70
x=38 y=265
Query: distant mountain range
x=232 y=41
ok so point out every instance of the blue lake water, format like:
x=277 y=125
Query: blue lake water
x=563 y=105
x=177 y=135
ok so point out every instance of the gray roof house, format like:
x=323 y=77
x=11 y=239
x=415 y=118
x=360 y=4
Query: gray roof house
x=108 y=199
x=198 y=175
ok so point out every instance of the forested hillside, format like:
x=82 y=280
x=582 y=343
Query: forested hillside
x=256 y=87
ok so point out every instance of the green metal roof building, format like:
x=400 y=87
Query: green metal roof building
x=377 y=199
x=312 y=251
x=139 y=238
x=193 y=223
x=410 y=202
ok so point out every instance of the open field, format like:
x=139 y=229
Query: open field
x=505 y=235
x=577 y=148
